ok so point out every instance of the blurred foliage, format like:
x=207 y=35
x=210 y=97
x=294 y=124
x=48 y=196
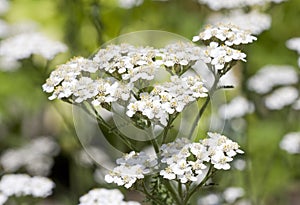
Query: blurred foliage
x=84 y=25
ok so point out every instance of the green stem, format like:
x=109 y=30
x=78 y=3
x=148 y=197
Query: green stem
x=173 y=192
x=204 y=106
x=101 y=123
x=145 y=191
x=194 y=189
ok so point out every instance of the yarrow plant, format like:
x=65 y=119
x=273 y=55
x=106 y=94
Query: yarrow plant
x=150 y=88
x=20 y=185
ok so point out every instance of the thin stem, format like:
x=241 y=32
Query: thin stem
x=194 y=189
x=173 y=192
x=145 y=191
x=204 y=106
x=168 y=127
x=101 y=122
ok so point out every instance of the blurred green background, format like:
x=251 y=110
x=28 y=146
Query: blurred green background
x=272 y=176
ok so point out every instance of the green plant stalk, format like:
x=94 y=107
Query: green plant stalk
x=204 y=106
x=173 y=192
x=194 y=189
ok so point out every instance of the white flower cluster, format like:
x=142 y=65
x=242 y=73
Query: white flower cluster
x=220 y=55
x=132 y=166
x=3 y=198
x=254 y=21
x=35 y=157
x=223 y=38
x=105 y=197
x=281 y=97
x=24 y=185
x=291 y=143
x=294 y=44
x=128 y=4
x=67 y=81
x=227 y=33
x=24 y=45
x=168 y=98
x=122 y=69
x=181 y=160
x=4 y=6
x=271 y=76
x=229 y=196
x=231 y=4
x=131 y=63
x=4 y=29
x=237 y=107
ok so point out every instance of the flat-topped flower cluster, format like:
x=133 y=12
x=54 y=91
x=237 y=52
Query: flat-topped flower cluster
x=180 y=160
x=105 y=197
x=126 y=74
x=23 y=185
x=223 y=43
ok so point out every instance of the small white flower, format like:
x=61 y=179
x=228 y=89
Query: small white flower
x=220 y=161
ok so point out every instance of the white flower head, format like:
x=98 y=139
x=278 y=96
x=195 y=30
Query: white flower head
x=128 y=4
x=3 y=198
x=237 y=107
x=271 y=76
x=231 y=194
x=24 y=45
x=232 y=4
x=4 y=6
x=294 y=44
x=132 y=166
x=226 y=33
x=281 y=97
x=291 y=143
x=24 y=185
x=101 y=196
x=254 y=21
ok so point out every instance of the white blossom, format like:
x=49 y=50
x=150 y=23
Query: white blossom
x=3 y=198
x=24 y=45
x=294 y=44
x=254 y=21
x=237 y=107
x=226 y=33
x=4 y=6
x=219 y=56
x=132 y=166
x=231 y=4
x=210 y=199
x=291 y=143
x=4 y=28
x=101 y=196
x=271 y=76
x=168 y=98
x=35 y=157
x=281 y=97
x=231 y=194
x=24 y=185
x=128 y=4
